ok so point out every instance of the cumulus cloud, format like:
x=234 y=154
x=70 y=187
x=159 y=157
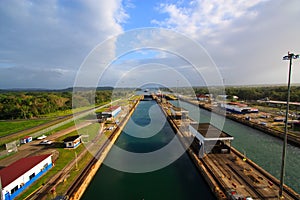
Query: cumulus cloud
x=154 y=48
x=41 y=77
x=45 y=34
x=246 y=39
x=202 y=17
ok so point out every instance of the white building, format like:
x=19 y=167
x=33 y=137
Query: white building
x=204 y=97
x=72 y=141
x=209 y=139
x=19 y=175
x=112 y=111
x=238 y=108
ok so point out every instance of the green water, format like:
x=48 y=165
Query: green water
x=179 y=180
x=263 y=149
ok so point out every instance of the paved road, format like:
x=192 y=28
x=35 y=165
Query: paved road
x=43 y=192
x=33 y=148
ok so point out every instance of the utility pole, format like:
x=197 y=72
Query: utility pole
x=76 y=163
x=289 y=57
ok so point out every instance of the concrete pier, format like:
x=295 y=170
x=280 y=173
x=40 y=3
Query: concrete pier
x=230 y=175
x=78 y=188
x=292 y=139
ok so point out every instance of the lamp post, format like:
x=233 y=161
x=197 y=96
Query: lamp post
x=177 y=88
x=289 y=57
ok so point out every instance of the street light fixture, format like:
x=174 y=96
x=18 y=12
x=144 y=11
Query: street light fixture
x=289 y=57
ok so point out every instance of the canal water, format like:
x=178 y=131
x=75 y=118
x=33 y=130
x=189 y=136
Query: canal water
x=263 y=149
x=179 y=180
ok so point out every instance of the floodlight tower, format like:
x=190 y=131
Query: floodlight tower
x=289 y=57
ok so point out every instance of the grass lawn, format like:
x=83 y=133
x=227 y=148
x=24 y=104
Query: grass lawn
x=7 y=127
x=65 y=126
x=123 y=102
x=71 y=111
x=66 y=112
x=65 y=157
x=63 y=186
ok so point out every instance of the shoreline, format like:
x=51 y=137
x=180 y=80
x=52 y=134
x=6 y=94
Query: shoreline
x=275 y=133
x=214 y=182
x=76 y=191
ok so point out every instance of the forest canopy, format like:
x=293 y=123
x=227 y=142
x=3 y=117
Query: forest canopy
x=34 y=104
x=278 y=93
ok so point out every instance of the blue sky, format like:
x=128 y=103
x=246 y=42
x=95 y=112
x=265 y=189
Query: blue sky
x=45 y=44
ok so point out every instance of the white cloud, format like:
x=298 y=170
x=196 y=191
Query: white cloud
x=242 y=36
x=202 y=17
x=32 y=77
x=246 y=39
x=46 y=34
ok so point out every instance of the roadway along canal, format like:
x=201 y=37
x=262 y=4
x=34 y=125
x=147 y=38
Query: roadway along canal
x=179 y=180
x=261 y=148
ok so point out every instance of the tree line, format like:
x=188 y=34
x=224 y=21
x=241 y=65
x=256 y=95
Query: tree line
x=278 y=93
x=27 y=105
x=33 y=104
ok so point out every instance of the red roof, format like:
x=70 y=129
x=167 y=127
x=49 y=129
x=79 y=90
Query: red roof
x=112 y=108
x=202 y=96
x=238 y=104
x=18 y=168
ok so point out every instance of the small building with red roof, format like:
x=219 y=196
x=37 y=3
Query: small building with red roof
x=204 y=97
x=16 y=177
x=110 y=112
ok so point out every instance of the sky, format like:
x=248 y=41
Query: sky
x=57 y=44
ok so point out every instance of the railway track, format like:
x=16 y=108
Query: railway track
x=43 y=191
x=56 y=179
x=46 y=125
x=229 y=172
x=251 y=181
x=272 y=181
x=36 y=128
x=237 y=179
x=81 y=178
x=292 y=139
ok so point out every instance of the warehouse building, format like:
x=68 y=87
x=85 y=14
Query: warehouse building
x=110 y=112
x=209 y=139
x=113 y=111
x=16 y=177
x=238 y=108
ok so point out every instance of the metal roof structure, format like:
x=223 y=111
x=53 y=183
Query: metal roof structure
x=208 y=132
x=18 y=168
